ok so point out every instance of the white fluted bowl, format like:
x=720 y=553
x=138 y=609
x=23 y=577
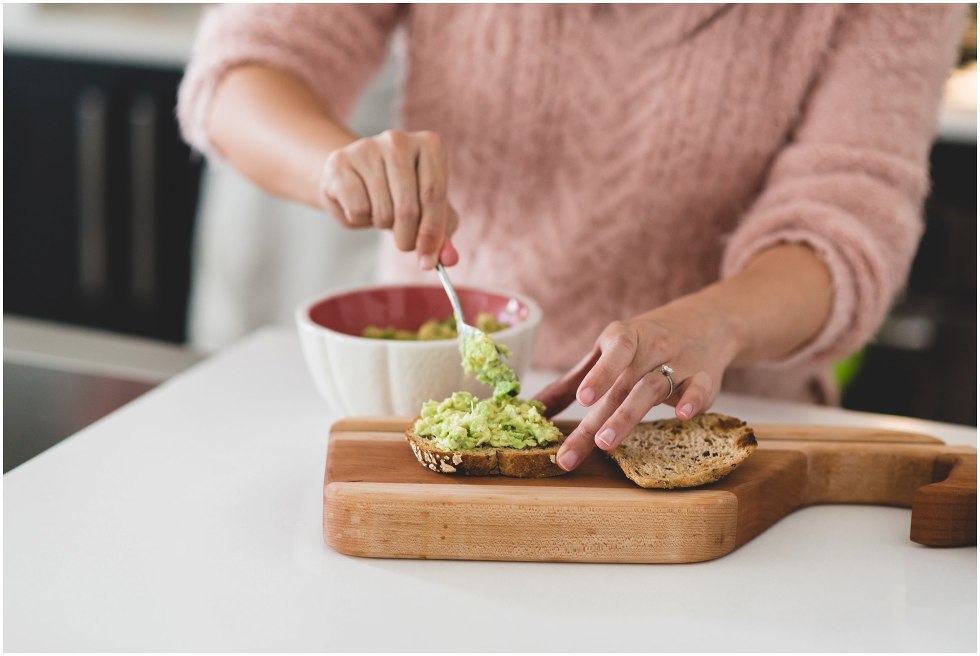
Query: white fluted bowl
x=363 y=376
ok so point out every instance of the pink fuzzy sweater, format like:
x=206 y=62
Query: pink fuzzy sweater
x=607 y=159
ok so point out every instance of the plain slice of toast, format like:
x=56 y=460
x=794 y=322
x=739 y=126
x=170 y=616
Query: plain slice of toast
x=670 y=453
x=487 y=461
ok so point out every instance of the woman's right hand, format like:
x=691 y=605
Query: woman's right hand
x=395 y=181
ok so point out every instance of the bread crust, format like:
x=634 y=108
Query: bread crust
x=636 y=460
x=487 y=461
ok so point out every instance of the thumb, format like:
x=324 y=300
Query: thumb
x=449 y=256
x=452 y=220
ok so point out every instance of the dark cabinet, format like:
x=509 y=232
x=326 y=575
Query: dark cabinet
x=923 y=361
x=99 y=196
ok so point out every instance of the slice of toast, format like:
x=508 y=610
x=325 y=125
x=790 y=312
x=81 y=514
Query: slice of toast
x=487 y=461
x=670 y=453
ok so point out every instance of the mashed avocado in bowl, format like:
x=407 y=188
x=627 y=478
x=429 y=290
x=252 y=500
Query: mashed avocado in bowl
x=464 y=422
x=433 y=329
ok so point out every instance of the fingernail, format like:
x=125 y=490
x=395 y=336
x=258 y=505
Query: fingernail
x=686 y=410
x=567 y=460
x=586 y=396
x=605 y=438
x=427 y=261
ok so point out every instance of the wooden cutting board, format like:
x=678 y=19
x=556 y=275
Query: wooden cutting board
x=378 y=501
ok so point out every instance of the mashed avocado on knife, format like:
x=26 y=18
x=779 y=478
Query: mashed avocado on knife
x=482 y=358
x=464 y=422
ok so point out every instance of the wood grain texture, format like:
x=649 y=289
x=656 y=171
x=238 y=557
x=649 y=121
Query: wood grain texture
x=944 y=514
x=839 y=434
x=379 y=502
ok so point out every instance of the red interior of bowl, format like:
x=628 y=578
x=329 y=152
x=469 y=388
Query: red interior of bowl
x=407 y=308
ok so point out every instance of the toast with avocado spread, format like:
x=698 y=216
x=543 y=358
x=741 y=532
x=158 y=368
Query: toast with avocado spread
x=498 y=436
x=502 y=435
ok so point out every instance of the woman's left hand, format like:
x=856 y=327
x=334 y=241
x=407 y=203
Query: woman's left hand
x=621 y=380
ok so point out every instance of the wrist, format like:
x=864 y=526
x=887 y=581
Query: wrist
x=774 y=306
x=727 y=333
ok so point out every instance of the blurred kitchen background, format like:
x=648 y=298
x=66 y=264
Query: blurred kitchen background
x=107 y=215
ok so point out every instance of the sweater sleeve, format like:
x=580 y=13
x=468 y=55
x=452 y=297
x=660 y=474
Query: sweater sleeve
x=851 y=181
x=335 y=49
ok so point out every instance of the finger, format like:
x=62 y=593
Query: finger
x=353 y=198
x=649 y=391
x=335 y=210
x=328 y=188
x=400 y=155
x=618 y=344
x=697 y=396
x=430 y=239
x=559 y=395
x=366 y=159
x=343 y=191
x=432 y=170
x=449 y=256
x=580 y=443
x=575 y=448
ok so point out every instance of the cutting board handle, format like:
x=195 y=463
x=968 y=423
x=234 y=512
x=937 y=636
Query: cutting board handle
x=944 y=513
x=938 y=481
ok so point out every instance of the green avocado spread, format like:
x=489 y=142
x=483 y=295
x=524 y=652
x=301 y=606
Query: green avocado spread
x=464 y=422
x=482 y=358
x=433 y=329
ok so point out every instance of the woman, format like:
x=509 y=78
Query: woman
x=731 y=190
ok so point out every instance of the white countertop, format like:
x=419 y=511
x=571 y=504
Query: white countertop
x=64 y=347
x=189 y=520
